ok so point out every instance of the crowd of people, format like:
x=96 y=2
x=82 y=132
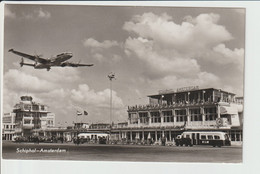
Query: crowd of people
x=38 y=139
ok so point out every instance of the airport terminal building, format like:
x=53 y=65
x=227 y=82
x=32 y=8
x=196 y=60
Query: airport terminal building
x=169 y=113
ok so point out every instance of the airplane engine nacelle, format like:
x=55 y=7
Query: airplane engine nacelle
x=64 y=64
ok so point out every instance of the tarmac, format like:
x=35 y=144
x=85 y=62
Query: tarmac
x=130 y=153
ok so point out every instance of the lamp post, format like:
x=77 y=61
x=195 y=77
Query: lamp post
x=111 y=76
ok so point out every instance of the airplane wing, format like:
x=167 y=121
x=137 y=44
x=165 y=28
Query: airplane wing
x=31 y=57
x=74 y=64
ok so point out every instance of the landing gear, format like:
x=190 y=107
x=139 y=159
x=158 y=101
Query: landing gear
x=48 y=69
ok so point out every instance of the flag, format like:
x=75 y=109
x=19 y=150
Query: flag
x=85 y=113
x=79 y=113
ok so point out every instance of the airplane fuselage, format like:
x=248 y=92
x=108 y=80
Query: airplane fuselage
x=55 y=61
x=60 y=58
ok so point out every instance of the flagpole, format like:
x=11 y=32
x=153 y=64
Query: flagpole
x=111 y=76
x=76 y=118
x=111 y=102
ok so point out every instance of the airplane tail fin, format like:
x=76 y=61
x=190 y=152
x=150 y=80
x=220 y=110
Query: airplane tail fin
x=27 y=64
x=22 y=62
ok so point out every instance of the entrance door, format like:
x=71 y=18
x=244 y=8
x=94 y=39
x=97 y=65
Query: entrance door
x=198 y=138
x=194 y=139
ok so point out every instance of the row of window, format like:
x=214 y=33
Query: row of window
x=9 y=126
x=31 y=122
x=181 y=115
x=207 y=137
x=30 y=114
x=168 y=119
x=34 y=107
x=210 y=137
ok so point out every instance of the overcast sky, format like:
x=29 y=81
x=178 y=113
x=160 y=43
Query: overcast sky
x=148 y=49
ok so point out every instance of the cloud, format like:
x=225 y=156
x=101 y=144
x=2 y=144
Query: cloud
x=43 y=14
x=163 y=61
x=202 y=79
x=37 y=14
x=182 y=54
x=46 y=87
x=98 y=57
x=230 y=56
x=10 y=98
x=193 y=34
x=20 y=81
x=51 y=88
x=106 y=51
x=100 y=99
x=97 y=103
x=92 y=43
x=57 y=75
x=9 y=13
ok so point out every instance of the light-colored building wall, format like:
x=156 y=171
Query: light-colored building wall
x=8 y=126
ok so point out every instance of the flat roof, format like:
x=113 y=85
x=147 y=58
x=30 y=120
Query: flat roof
x=170 y=93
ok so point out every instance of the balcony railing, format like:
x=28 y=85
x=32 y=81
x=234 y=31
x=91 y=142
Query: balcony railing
x=166 y=106
x=28 y=126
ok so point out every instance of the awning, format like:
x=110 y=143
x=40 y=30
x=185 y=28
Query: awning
x=228 y=110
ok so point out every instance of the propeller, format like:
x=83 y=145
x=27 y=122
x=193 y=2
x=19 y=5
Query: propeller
x=37 y=55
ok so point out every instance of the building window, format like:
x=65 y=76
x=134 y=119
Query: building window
x=27 y=121
x=155 y=117
x=35 y=107
x=7 y=126
x=144 y=118
x=42 y=107
x=210 y=114
x=133 y=118
x=27 y=107
x=195 y=114
x=181 y=115
x=167 y=116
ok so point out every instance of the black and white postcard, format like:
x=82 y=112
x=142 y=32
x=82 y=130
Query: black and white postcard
x=123 y=83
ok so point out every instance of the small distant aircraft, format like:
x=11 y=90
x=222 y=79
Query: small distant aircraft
x=42 y=63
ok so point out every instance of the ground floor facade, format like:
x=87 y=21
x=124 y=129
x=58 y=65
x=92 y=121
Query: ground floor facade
x=8 y=136
x=133 y=135
x=128 y=135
